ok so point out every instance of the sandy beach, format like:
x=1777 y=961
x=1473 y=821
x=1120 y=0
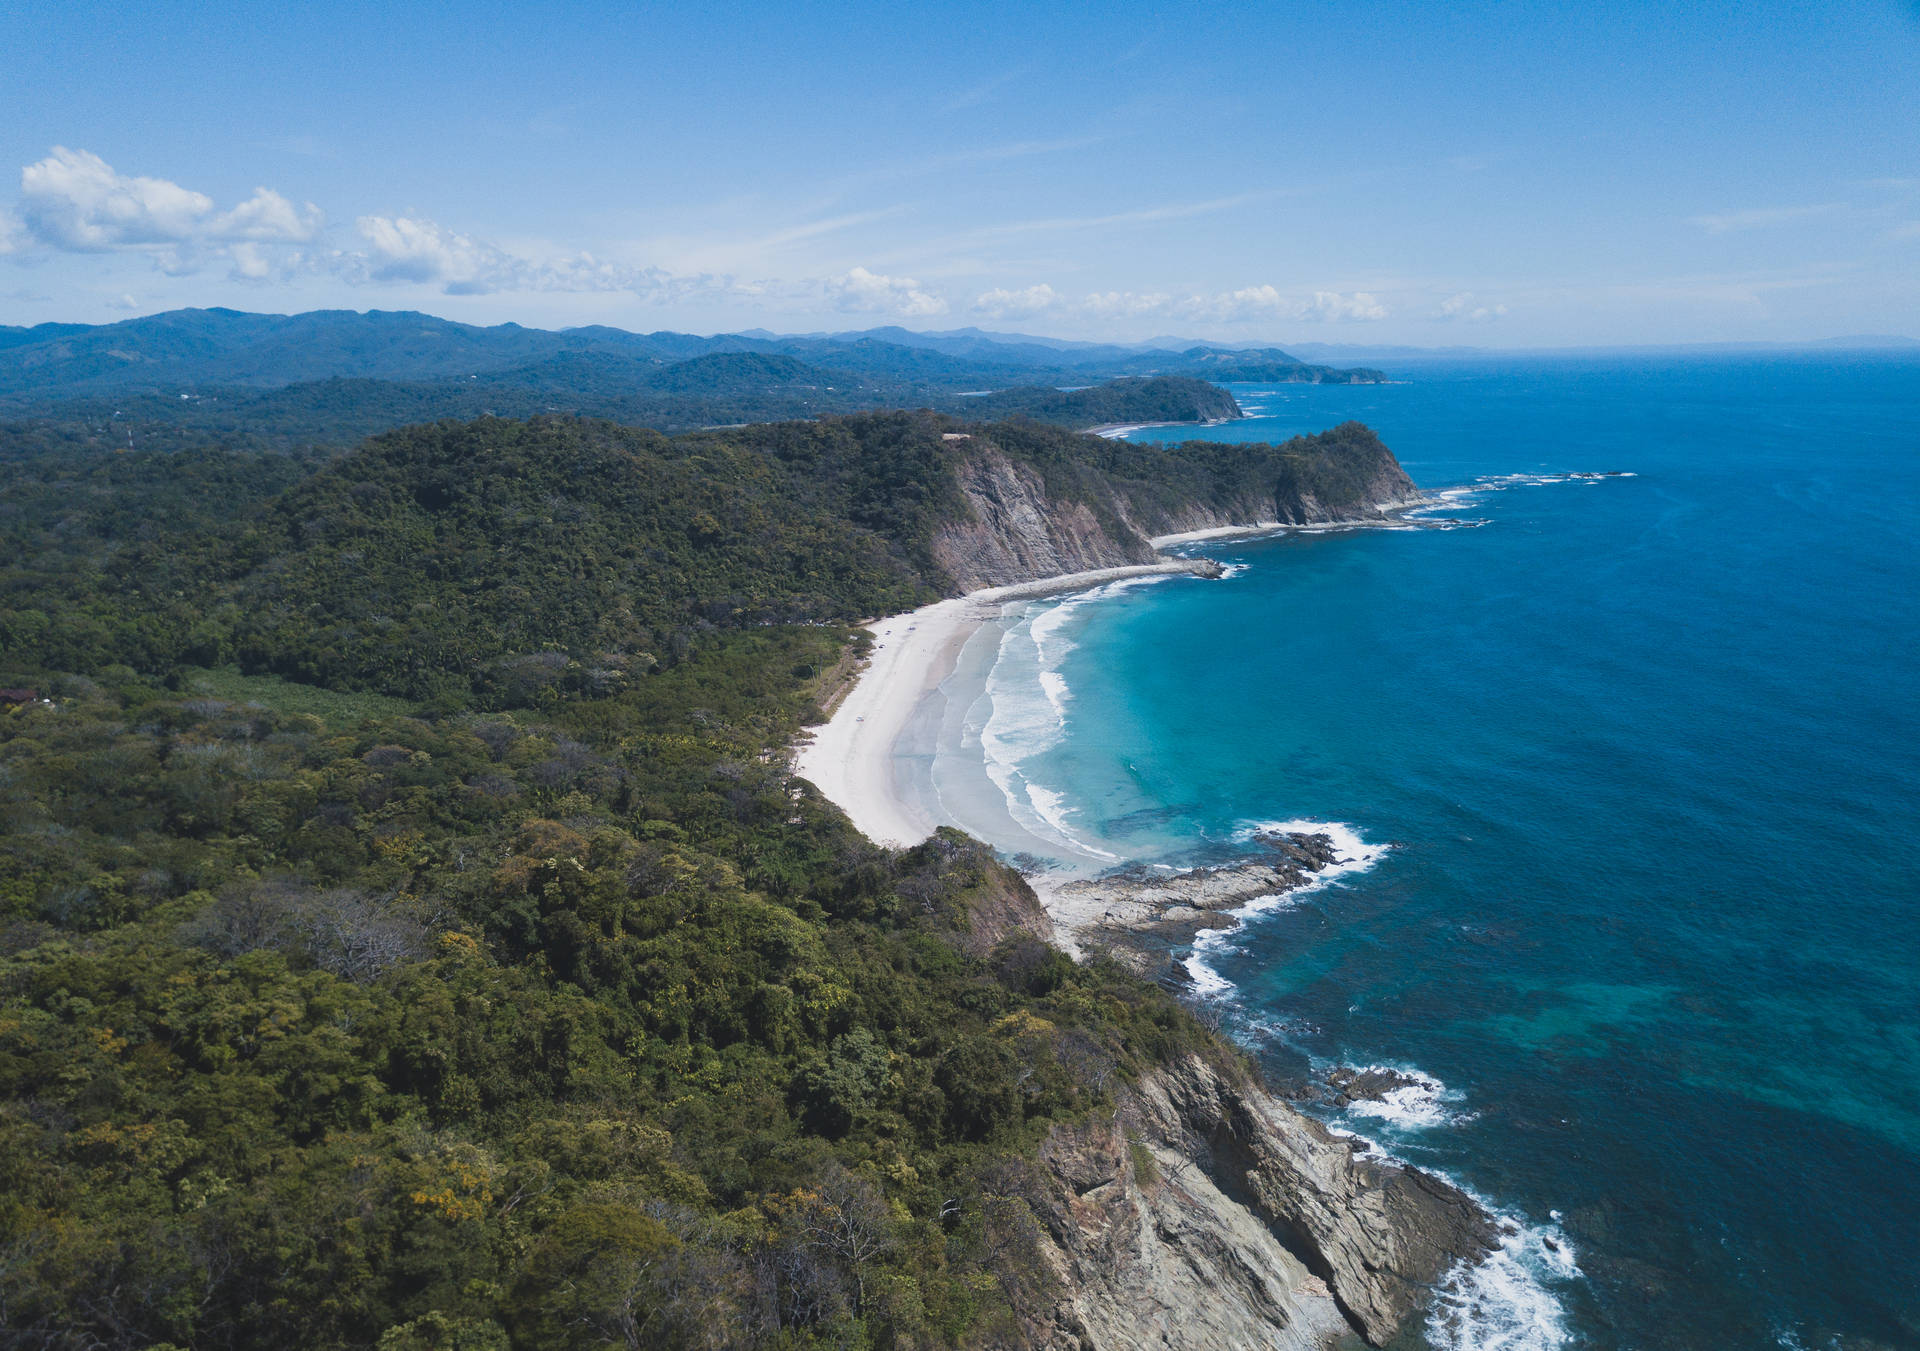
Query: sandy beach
x=851 y=758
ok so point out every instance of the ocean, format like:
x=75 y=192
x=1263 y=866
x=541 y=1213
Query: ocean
x=1628 y=772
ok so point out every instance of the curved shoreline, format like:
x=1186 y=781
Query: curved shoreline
x=850 y=758
x=854 y=757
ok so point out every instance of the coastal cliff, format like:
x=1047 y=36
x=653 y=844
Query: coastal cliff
x=1034 y=508
x=1204 y=1214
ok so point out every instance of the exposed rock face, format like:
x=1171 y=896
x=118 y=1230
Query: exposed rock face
x=1139 y=915
x=1254 y=1228
x=1020 y=532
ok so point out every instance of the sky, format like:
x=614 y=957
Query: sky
x=1488 y=174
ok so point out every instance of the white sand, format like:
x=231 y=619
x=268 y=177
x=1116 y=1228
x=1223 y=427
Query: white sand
x=1217 y=532
x=851 y=757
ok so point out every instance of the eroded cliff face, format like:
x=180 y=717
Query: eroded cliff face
x=1206 y=1215
x=1203 y=1214
x=1019 y=532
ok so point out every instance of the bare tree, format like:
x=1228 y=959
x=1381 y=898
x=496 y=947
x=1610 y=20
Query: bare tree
x=845 y=1219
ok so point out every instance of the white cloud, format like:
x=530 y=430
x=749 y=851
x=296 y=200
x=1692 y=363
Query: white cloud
x=413 y=250
x=1247 y=304
x=268 y=217
x=1126 y=304
x=75 y=200
x=1463 y=307
x=406 y=249
x=1760 y=218
x=1005 y=304
x=864 y=292
x=1332 y=305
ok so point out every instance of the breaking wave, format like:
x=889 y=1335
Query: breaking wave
x=1020 y=726
x=1351 y=855
x=1504 y=1301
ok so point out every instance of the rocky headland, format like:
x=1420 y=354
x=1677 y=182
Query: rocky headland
x=1021 y=522
x=1141 y=915
x=1204 y=1213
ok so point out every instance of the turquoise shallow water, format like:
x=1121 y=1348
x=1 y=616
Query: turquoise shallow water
x=1647 y=753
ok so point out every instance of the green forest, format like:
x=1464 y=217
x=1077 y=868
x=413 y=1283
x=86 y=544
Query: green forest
x=412 y=934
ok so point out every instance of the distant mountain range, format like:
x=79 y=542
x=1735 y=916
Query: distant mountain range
x=334 y=376
x=186 y=350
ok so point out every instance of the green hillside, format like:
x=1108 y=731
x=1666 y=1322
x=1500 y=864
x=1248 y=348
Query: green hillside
x=412 y=935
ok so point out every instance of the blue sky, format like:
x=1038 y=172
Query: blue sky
x=1479 y=173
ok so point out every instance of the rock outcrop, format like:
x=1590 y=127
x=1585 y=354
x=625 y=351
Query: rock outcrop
x=1138 y=915
x=1019 y=533
x=1017 y=529
x=1206 y=1214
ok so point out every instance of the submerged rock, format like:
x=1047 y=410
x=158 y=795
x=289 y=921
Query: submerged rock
x=1370 y=1084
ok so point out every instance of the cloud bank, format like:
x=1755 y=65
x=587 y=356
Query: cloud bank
x=864 y=292
x=74 y=201
x=1250 y=304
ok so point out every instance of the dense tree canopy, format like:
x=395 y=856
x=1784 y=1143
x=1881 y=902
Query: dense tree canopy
x=412 y=935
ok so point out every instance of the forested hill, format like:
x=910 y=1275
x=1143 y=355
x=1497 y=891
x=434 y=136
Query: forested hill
x=477 y=560
x=412 y=934
x=727 y=388
x=335 y=377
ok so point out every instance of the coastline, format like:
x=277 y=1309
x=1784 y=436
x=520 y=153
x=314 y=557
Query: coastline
x=1113 y=431
x=1388 y=1238
x=856 y=760
x=850 y=757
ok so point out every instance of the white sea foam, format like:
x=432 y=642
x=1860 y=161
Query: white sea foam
x=1504 y=1302
x=1052 y=808
x=1468 y=495
x=1054 y=686
x=1351 y=855
x=1019 y=727
x=1420 y=1105
x=1207 y=982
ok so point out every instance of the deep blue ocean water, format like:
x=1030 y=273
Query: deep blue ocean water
x=1647 y=753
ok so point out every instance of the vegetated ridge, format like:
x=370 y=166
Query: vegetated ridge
x=414 y=935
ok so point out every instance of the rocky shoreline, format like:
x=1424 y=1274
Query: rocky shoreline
x=1142 y=916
